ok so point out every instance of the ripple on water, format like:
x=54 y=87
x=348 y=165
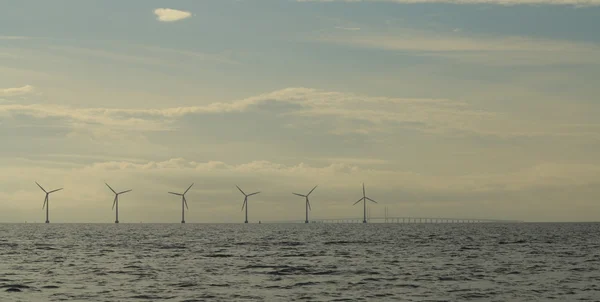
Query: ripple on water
x=391 y=262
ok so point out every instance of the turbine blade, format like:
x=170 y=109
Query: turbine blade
x=124 y=192
x=359 y=201
x=40 y=187
x=371 y=200
x=244 y=203
x=311 y=190
x=308 y=203
x=253 y=193
x=110 y=188
x=364 y=194
x=45 y=201
x=188 y=188
x=114 y=202
x=299 y=194
x=185 y=202
x=178 y=194
x=240 y=190
x=55 y=190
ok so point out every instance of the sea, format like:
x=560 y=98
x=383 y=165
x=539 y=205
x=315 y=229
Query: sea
x=300 y=262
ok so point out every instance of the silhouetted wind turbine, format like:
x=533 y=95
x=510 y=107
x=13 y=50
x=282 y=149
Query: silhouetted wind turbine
x=183 y=202
x=245 y=204
x=307 y=202
x=116 y=201
x=47 y=201
x=364 y=200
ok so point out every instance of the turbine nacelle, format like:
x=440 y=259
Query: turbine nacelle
x=183 y=200
x=116 y=194
x=306 y=197
x=46 y=204
x=47 y=194
x=245 y=203
x=364 y=200
x=307 y=202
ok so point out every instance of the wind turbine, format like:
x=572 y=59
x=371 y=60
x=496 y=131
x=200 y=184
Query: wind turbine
x=116 y=201
x=183 y=202
x=245 y=204
x=364 y=200
x=307 y=202
x=47 y=200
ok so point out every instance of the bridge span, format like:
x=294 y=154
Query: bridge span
x=389 y=219
x=412 y=220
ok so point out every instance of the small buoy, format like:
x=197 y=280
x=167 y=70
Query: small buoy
x=259 y=222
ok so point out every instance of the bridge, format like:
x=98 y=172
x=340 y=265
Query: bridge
x=405 y=219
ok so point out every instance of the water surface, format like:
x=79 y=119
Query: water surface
x=297 y=262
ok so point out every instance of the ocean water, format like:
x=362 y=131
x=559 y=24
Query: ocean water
x=297 y=262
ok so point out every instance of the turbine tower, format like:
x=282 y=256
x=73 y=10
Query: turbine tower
x=183 y=202
x=47 y=201
x=364 y=200
x=245 y=204
x=307 y=202
x=116 y=201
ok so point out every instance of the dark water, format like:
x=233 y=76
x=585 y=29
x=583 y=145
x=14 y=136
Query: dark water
x=316 y=262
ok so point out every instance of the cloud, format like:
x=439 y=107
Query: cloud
x=493 y=195
x=487 y=50
x=493 y=2
x=171 y=15
x=348 y=28
x=343 y=174
x=14 y=38
x=302 y=103
x=428 y=41
x=220 y=58
x=132 y=54
x=339 y=174
x=333 y=112
x=16 y=91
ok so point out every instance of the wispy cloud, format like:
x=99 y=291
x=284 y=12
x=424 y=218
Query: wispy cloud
x=415 y=40
x=336 y=112
x=304 y=102
x=508 y=50
x=494 y=2
x=16 y=91
x=348 y=28
x=14 y=38
x=133 y=54
x=344 y=174
x=171 y=15
x=219 y=58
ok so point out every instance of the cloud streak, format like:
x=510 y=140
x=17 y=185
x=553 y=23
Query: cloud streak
x=348 y=28
x=27 y=89
x=486 y=50
x=430 y=114
x=341 y=113
x=340 y=174
x=171 y=15
x=462 y=2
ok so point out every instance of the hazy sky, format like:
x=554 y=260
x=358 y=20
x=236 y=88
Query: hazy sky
x=470 y=108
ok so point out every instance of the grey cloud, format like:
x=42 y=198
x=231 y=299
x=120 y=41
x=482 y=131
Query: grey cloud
x=475 y=49
x=333 y=112
x=579 y=3
x=27 y=89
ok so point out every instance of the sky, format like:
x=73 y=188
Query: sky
x=443 y=108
